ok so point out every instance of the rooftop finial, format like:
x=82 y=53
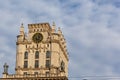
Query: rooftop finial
x=53 y=27
x=59 y=30
x=53 y=23
x=21 y=24
x=22 y=29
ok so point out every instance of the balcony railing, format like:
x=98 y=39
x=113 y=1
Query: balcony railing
x=32 y=75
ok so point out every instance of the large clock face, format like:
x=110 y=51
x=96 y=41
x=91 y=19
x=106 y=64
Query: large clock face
x=37 y=37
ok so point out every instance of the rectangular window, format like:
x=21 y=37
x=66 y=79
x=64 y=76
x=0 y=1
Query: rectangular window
x=48 y=54
x=36 y=64
x=25 y=64
x=36 y=73
x=37 y=55
x=25 y=73
x=47 y=63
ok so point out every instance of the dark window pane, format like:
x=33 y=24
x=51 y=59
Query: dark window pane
x=36 y=63
x=48 y=54
x=25 y=73
x=26 y=55
x=36 y=54
x=36 y=73
x=62 y=66
x=25 y=64
x=47 y=63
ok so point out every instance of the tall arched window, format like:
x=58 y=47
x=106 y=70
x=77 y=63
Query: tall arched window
x=26 y=55
x=48 y=54
x=36 y=54
x=62 y=66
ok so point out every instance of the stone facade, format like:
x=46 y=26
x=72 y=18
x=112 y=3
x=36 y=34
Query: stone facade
x=40 y=54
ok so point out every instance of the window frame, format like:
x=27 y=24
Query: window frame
x=25 y=73
x=25 y=64
x=37 y=55
x=26 y=55
x=36 y=63
x=48 y=54
x=62 y=66
x=47 y=64
x=35 y=73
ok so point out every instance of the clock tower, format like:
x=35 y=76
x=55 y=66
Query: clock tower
x=41 y=54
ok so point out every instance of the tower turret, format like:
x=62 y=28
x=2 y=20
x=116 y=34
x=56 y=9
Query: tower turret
x=21 y=36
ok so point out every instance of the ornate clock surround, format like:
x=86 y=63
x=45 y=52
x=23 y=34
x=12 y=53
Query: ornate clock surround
x=37 y=37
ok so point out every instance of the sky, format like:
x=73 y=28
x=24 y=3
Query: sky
x=91 y=29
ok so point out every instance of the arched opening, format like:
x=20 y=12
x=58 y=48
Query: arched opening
x=26 y=55
x=48 y=54
x=36 y=54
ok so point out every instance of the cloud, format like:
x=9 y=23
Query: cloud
x=91 y=28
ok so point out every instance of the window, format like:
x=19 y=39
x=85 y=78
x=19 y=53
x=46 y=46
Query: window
x=48 y=54
x=25 y=64
x=62 y=66
x=47 y=63
x=26 y=55
x=36 y=63
x=36 y=73
x=25 y=73
x=36 y=54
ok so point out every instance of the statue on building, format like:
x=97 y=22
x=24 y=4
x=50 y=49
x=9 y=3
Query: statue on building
x=5 y=68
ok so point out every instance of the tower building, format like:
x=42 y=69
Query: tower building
x=41 y=54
